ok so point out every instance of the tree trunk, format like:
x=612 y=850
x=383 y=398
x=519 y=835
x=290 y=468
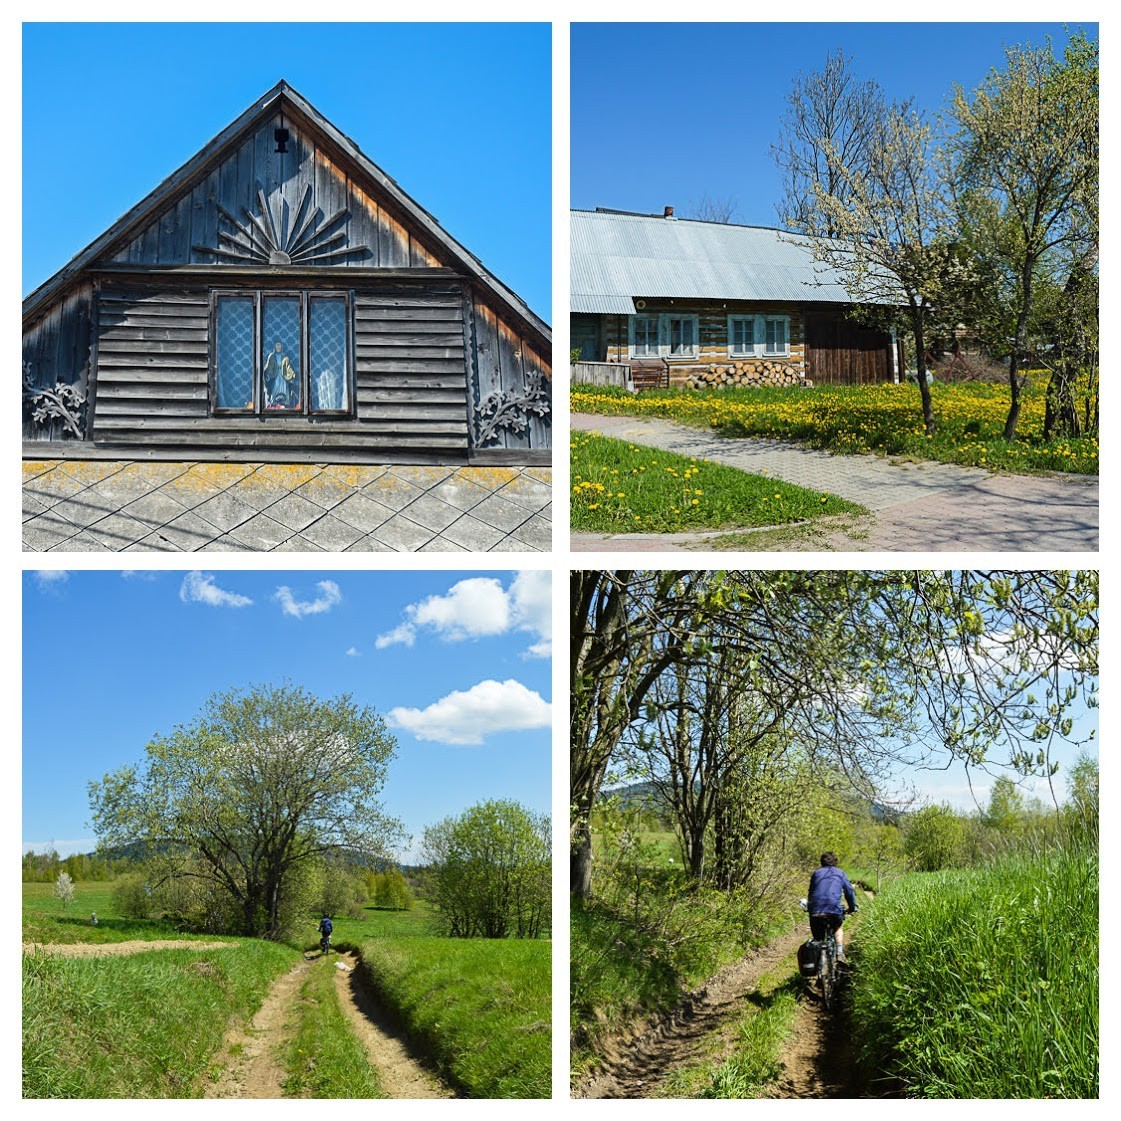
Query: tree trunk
x=1018 y=342
x=1061 y=417
x=918 y=330
x=580 y=862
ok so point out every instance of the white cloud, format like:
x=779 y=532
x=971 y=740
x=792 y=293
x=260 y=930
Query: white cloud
x=479 y=607
x=468 y=717
x=471 y=609
x=329 y=597
x=51 y=577
x=532 y=593
x=138 y=574
x=404 y=634
x=199 y=587
x=353 y=652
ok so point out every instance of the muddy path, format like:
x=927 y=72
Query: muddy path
x=635 y=1067
x=817 y=1059
x=115 y=949
x=251 y=1066
x=403 y=1073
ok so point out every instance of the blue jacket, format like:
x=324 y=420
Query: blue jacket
x=826 y=886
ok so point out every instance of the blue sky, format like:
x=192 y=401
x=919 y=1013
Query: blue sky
x=458 y=114
x=664 y=113
x=458 y=663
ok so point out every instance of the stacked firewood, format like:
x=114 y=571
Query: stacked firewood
x=755 y=372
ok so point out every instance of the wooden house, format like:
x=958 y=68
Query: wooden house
x=280 y=298
x=716 y=304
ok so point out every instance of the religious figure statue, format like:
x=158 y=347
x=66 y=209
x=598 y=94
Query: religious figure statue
x=281 y=380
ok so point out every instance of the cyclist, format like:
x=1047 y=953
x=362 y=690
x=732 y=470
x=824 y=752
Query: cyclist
x=827 y=885
x=325 y=928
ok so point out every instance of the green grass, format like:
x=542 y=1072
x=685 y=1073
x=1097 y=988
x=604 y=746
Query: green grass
x=619 y=487
x=480 y=1007
x=324 y=1058
x=884 y=419
x=755 y=1056
x=142 y=1026
x=45 y=919
x=984 y=983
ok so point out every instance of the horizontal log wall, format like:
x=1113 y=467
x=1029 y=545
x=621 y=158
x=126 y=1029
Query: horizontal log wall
x=153 y=381
x=56 y=348
x=713 y=364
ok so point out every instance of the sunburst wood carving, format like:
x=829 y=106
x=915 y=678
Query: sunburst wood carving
x=264 y=238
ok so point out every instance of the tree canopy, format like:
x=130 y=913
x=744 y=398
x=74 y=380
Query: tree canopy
x=260 y=785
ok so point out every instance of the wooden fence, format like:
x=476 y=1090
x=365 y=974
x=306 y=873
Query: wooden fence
x=602 y=373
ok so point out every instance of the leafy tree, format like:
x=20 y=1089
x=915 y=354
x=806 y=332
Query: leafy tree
x=489 y=871
x=390 y=891
x=934 y=838
x=881 y=221
x=1024 y=163
x=859 y=672
x=262 y=784
x=64 y=889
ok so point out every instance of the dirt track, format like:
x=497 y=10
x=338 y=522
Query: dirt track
x=114 y=949
x=402 y=1074
x=636 y=1066
x=251 y=1061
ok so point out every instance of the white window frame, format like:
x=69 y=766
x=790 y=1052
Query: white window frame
x=761 y=335
x=752 y=351
x=667 y=351
x=632 y=321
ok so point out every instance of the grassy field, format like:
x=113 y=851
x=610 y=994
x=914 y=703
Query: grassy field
x=885 y=419
x=984 y=983
x=144 y=1026
x=481 y=1007
x=45 y=919
x=620 y=487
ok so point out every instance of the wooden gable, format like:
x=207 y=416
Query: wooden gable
x=442 y=362
x=257 y=202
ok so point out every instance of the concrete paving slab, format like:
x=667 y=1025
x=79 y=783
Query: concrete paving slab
x=186 y=506
x=915 y=507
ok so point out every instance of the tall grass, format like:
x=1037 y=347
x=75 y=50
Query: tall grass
x=144 y=1026
x=324 y=1058
x=481 y=1007
x=984 y=983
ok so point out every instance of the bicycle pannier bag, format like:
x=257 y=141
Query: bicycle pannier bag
x=807 y=958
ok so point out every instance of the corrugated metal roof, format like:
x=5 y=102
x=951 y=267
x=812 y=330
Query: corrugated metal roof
x=616 y=257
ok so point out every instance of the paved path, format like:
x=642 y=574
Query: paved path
x=915 y=507
x=110 y=506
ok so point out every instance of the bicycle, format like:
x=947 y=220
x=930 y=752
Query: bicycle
x=325 y=944
x=825 y=969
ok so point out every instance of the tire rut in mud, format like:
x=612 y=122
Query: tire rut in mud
x=635 y=1067
x=402 y=1073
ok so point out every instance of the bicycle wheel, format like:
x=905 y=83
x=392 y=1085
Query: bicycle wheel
x=825 y=976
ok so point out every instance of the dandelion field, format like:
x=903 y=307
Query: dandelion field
x=881 y=419
x=618 y=487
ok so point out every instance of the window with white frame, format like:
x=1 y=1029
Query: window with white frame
x=681 y=335
x=644 y=336
x=667 y=335
x=741 y=336
x=776 y=337
x=758 y=336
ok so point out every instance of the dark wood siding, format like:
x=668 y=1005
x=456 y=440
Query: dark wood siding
x=378 y=235
x=56 y=348
x=411 y=381
x=506 y=363
x=840 y=352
